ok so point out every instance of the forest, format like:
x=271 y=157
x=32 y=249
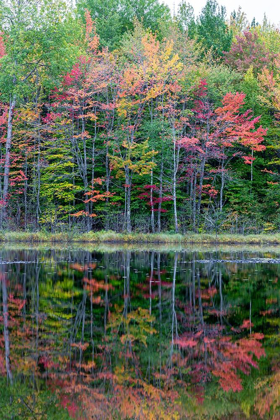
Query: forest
x=126 y=130
x=123 y=116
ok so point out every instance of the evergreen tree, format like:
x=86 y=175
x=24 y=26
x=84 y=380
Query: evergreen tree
x=212 y=29
x=113 y=18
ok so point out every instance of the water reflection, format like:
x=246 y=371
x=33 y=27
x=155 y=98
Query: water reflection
x=139 y=335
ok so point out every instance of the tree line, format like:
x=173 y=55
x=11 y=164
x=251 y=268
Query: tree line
x=119 y=116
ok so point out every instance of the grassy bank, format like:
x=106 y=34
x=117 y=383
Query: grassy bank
x=266 y=250
x=138 y=238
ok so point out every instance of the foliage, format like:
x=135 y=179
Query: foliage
x=212 y=30
x=249 y=51
x=118 y=117
x=116 y=17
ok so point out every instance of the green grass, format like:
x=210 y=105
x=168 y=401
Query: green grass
x=139 y=238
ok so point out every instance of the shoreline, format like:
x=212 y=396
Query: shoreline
x=139 y=238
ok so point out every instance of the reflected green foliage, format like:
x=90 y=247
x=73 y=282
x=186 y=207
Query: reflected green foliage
x=22 y=401
x=142 y=334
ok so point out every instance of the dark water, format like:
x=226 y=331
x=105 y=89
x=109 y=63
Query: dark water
x=139 y=334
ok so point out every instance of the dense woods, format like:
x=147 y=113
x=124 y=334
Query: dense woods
x=121 y=120
x=119 y=116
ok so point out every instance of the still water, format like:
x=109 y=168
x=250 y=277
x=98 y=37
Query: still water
x=139 y=334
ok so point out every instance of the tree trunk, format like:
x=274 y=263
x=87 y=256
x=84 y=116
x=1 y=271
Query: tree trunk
x=152 y=203
x=160 y=195
x=128 y=200
x=252 y=172
x=200 y=189
x=108 y=173
x=194 y=200
x=25 y=194
x=222 y=187
x=8 y=159
x=174 y=181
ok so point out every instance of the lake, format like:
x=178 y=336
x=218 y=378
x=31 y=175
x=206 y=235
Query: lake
x=127 y=333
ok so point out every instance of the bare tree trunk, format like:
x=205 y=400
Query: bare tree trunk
x=252 y=171
x=160 y=195
x=174 y=181
x=152 y=203
x=92 y=168
x=8 y=158
x=37 y=188
x=128 y=200
x=194 y=201
x=25 y=194
x=200 y=189
x=108 y=173
x=222 y=187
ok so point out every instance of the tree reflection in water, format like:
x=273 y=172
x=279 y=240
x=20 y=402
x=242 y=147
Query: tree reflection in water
x=138 y=335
